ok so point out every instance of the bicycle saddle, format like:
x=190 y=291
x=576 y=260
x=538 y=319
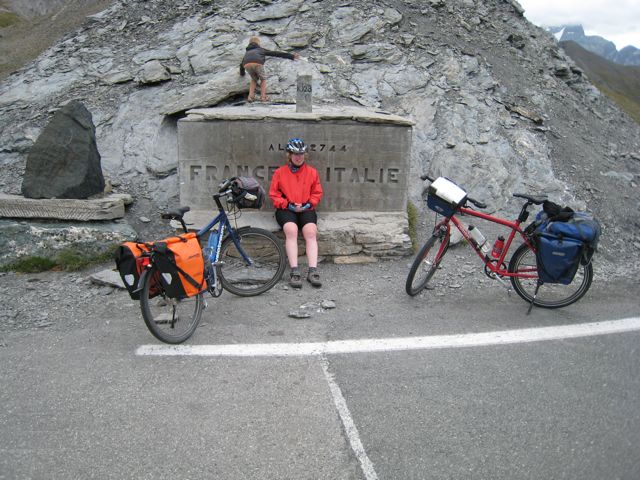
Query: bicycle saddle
x=533 y=199
x=175 y=214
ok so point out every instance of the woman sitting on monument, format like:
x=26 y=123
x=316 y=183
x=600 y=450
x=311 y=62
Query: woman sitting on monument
x=295 y=193
x=253 y=62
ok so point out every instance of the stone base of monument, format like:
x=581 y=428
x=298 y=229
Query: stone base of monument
x=107 y=208
x=343 y=237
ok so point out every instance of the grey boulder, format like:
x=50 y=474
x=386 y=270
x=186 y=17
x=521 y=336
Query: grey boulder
x=64 y=161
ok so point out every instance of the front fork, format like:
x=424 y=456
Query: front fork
x=442 y=231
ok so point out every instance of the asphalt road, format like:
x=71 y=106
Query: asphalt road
x=79 y=402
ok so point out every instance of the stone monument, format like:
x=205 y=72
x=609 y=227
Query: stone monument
x=362 y=158
x=304 y=98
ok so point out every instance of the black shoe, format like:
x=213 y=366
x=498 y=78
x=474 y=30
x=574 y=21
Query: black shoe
x=314 y=279
x=295 y=280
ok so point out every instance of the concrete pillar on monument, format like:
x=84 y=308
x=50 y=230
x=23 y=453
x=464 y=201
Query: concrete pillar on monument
x=304 y=98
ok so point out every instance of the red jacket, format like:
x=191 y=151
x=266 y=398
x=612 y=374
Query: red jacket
x=300 y=187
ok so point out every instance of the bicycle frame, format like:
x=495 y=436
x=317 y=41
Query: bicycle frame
x=494 y=265
x=523 y=263
x=215 y=242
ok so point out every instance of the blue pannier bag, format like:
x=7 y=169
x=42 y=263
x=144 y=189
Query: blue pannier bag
x=580 y=226
x=558 y=259
x=562 y=246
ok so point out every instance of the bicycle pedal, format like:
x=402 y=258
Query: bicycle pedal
x=504 y=284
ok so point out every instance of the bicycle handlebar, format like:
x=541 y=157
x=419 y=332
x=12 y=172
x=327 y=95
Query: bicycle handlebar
x=477 y=203
x=225 y=188
x=223 y=193
x=225 y=184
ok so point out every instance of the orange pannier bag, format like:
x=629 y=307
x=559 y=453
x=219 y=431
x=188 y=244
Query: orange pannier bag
x=178 y=261
x=128 y=259
x=180 y=265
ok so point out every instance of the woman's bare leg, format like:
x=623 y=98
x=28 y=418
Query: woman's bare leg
x=290 y=230
x=310 y=233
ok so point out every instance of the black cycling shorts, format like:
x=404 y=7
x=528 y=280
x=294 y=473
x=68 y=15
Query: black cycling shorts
x=299 y=218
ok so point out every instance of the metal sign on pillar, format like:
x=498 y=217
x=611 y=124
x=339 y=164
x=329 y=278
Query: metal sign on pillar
x=304 y=97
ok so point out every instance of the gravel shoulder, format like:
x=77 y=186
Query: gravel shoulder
x=355 y=300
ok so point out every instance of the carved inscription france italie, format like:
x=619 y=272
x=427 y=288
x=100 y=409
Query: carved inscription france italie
x=362 y=167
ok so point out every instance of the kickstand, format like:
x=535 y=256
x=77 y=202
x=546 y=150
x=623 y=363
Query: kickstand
x=535 y=294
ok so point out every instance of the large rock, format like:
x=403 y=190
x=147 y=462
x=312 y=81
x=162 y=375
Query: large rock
x=349 y=26
x=276 y=11
x=64 y=162
x=153 y=72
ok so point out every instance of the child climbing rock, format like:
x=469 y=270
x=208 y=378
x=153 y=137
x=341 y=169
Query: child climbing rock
x=253 y=62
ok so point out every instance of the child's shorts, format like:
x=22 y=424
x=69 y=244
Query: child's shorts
x=299 y=218
x=256 y=71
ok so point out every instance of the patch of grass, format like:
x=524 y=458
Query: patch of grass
x=29 y=265
x=71 y=260
x=7 y=19
x=107 y=255
x=627 y=104
x=68 y=260
x=412 y=216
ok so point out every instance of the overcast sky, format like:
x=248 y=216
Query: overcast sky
x=615 y=20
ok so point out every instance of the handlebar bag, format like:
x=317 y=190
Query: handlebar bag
x=248 y=193
x=128 y=258
x=445 y=197
x=180 y=265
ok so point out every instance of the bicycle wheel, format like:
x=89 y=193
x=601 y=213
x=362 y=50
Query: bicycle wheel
x=550 y=295
x=426 y=263
x=267 y=262
x=168 y=319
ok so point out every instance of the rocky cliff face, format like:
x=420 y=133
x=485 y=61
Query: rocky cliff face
x=499 y=107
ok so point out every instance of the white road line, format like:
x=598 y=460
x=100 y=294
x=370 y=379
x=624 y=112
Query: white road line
x=348 y=423
x=373 y=345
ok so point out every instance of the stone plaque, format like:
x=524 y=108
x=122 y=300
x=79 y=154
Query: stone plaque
x=304 y=98
x=362 y=166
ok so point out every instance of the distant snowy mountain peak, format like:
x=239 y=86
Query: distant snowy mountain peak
x=596 y=44
x=559 y=34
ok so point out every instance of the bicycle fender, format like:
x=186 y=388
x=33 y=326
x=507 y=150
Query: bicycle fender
x=143 y=275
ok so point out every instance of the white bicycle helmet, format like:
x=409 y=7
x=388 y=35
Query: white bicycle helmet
x=296 y=145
